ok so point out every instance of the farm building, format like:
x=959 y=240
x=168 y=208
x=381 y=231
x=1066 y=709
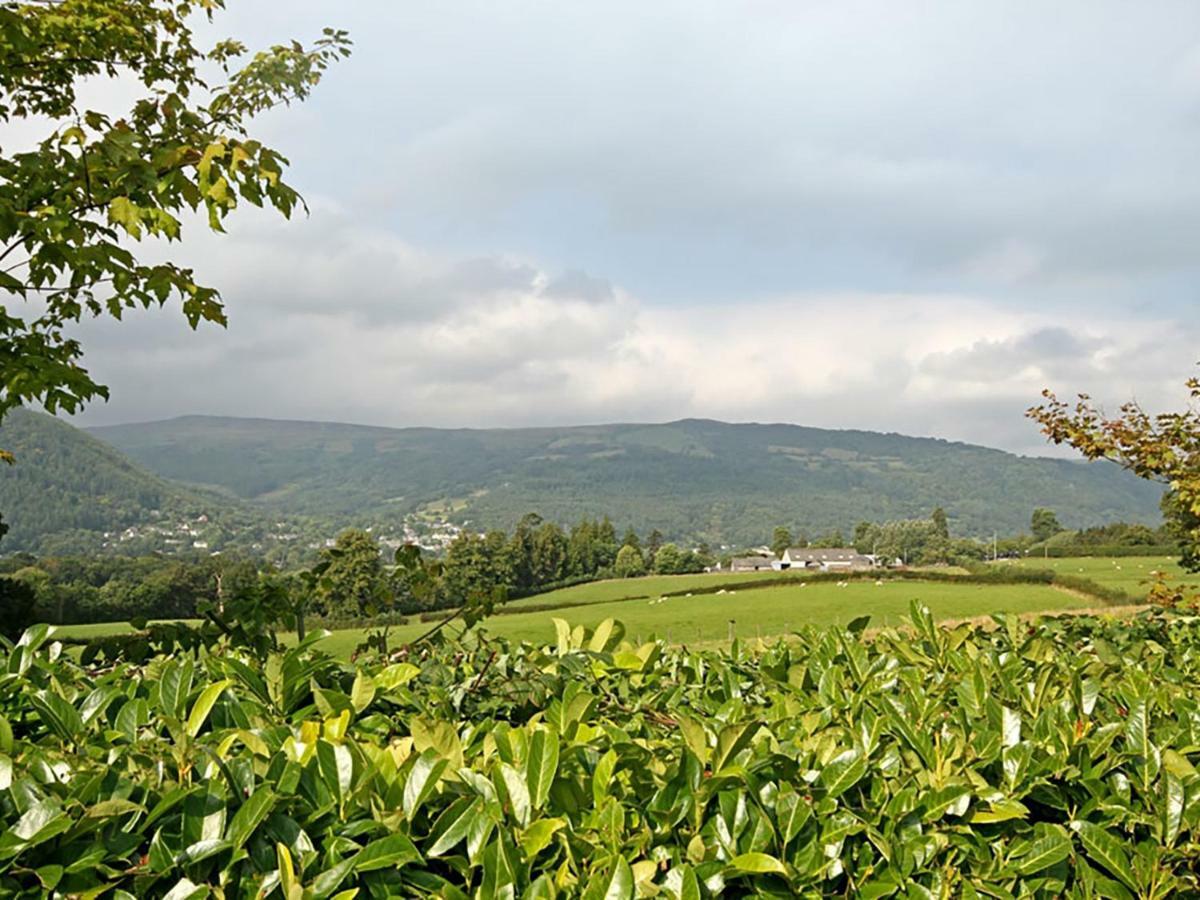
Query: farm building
x=751 y=564
x=824 y=559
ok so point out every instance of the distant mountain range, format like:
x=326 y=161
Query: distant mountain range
x=692 y=479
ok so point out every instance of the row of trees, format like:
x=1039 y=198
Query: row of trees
x=536 y=556
x=540 y=554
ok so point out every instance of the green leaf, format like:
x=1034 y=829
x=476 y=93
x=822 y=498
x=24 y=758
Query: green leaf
x=1043 y=853
x=204 y=704
x=122 y=211
x=686 y=886
x=842 y=773
x=185 y=889
x=1137 y=730
x=791 y=814
x=396 y=675
x=337 y=768
x=602 y=777
x=562 y=630
x=363 y=691
x=607 y=633
x=731 y=741
x=174 y=686
x=517 y=792
x=1010 y=727
x=329 y=880
x=1103 y=848
x=614 y=882
x=422 y=779
x=58 y=715
x=541 y=765
x=389 y=852
x=538 y=835
x=1000 y=811
x=757 y=864
x=453 y=825
x=114 y=806
x=1172 y=805
x=249 y=816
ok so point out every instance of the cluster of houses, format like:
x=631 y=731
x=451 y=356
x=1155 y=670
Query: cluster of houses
x=817 y=559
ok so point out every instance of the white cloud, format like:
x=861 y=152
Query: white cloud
x=857 y=214
x=335 y=321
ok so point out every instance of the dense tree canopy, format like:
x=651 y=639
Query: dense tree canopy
x=73 y=205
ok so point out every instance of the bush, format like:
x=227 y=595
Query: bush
x=1053 y=758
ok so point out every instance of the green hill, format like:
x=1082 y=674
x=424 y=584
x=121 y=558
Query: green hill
x=70 y=492
x=690 y=479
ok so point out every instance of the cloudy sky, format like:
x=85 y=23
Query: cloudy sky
x=906 y=217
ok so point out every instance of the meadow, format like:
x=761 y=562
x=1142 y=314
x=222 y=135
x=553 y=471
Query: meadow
x=1132 y=574
x=643 y=588
x=749 y=612
x=760 y=612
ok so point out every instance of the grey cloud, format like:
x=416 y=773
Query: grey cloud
x=1050 y=349
x=575 y=284
x=911 y=139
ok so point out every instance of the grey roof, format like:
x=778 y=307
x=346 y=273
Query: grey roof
x=823 y=554
x=761 y=561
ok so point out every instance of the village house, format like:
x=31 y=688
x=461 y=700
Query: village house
x=823 y=559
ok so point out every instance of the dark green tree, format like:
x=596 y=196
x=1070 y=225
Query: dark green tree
x=668 y=560
x=1044 y=524
x=653 y=542
x=353 y=582
x=631 y=540
x=629 y=562
x=781 y=540
x=940 y=522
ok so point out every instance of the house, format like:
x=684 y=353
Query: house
x=824 y=559
x=750 y=564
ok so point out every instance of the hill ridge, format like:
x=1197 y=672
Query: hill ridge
x=699 y=479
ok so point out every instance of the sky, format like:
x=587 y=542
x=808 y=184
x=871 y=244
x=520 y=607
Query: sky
x=897 y=217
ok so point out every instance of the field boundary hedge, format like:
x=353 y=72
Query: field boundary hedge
x=1066 y=551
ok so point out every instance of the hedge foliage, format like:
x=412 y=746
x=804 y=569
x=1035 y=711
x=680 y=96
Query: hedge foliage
x=1046 y=759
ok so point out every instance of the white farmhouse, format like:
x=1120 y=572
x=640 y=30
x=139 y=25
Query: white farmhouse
x=823 y=559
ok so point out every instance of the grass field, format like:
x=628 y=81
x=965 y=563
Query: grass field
x=765 y=612
x=1131 y=574
x=643 y=588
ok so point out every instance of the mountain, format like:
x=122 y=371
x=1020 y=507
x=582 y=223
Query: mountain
x=724 y=483
x=70 y=492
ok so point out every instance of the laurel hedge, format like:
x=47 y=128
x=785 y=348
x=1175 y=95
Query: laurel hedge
x=1046 y=759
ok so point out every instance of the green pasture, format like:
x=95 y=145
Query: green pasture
x=763 y=612
x=1131 y=574
x=758 y=612
x=642 y=588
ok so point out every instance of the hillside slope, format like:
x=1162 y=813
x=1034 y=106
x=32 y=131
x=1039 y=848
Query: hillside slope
x=68 y=490
x=694 y=478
